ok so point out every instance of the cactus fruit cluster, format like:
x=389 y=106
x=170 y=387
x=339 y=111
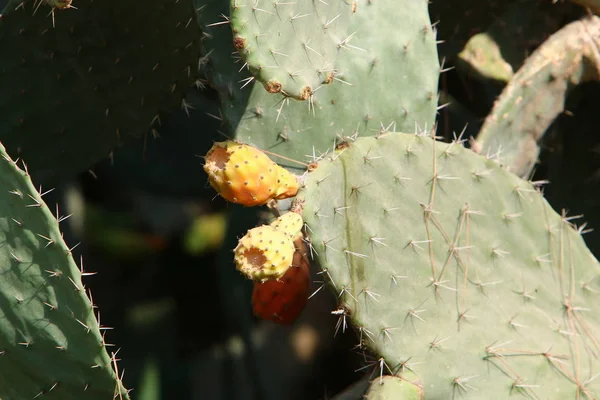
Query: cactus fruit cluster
x=274 y=255
x=266 y=252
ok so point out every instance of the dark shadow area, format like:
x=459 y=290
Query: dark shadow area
x=570 y=161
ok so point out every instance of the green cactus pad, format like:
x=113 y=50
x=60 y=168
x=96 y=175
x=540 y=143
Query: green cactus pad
x=51 y=346
x=217 y=63
x=536 y=95
x=389 y=79
x=393 y=388
x=104 y=71
x=454 y=269
x=292 y=47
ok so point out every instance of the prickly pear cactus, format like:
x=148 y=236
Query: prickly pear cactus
x=394 y=388
x=51 y=346
x=292 y=47
x=383 y=76
x=536 y=94
x=78 y=82
x=455 y=270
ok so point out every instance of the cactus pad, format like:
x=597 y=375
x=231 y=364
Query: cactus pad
x=394 y=388
x=453 y=268
x=105 y=71
x=291 y=47
x=51 y=346
x=535 y=96
x=385 y=76
x=245 y=175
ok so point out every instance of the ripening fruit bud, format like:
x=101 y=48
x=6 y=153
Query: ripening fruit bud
x=290 y=223
x=287 y=184
x=264 y=253
x=245 y=175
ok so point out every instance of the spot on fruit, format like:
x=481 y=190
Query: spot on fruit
x=218 y=157
x=255 y=258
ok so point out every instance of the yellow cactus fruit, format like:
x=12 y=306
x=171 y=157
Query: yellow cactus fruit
x=290 y=223
x=287 y=182
x=245 y=175
x=264 y=253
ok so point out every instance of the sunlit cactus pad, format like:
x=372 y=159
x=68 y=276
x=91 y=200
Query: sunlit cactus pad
x=51 y=346
x=386 y=76
x=453 y=268
x=291 y=46
x=393 y=388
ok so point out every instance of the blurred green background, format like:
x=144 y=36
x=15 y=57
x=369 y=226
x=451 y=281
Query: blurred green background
x=154 y=231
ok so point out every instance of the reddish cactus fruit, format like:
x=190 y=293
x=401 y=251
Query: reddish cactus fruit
x=283 y=300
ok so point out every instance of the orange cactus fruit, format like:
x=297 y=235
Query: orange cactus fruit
x=283 y=300
x=244 y=175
